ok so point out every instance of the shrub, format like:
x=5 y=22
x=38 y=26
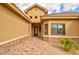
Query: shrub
x=69 y=44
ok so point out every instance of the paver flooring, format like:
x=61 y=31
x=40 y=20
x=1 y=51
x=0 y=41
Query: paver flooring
x=30 y=46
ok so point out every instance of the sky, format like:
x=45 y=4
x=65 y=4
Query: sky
x=53 y=7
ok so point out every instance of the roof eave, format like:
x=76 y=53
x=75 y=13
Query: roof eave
x=16 y=10
x=46 y=10
x=58 y=18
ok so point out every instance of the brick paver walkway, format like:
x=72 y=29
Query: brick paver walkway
x=33 y=46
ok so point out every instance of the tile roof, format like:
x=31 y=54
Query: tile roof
x=63 y=14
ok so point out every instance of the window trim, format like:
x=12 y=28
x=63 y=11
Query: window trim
x=64 y=32
x=46 y=29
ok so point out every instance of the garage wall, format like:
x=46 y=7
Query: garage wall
x=11 y=25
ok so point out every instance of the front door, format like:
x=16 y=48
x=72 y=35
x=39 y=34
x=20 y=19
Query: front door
x=35 y=31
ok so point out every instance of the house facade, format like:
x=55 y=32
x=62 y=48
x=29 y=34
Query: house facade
x=52 y=27
x=34 y=13
x=36 y=22
x=60 y=25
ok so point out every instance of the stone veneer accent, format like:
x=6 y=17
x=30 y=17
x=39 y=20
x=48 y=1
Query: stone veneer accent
x=17 y=41
x=57 y=40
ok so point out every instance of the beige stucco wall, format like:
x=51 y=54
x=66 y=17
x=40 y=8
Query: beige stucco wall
x=11 y=25
x=35 y=11
x=71 y=27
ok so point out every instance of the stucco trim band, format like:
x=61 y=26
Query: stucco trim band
x=56 y=36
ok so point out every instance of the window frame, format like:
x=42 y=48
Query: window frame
x=45 y=29
x=58 y=29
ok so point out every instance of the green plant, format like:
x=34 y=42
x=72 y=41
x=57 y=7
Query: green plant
x=69 y=44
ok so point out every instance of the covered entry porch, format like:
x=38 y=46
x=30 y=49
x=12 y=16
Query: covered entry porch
x=36 y=29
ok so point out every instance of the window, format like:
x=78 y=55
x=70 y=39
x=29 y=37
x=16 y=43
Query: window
x=46 y=29
x=30 y=16
x=58 y=29
x=35 y=16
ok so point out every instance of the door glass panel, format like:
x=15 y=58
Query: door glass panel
x=36 y=30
